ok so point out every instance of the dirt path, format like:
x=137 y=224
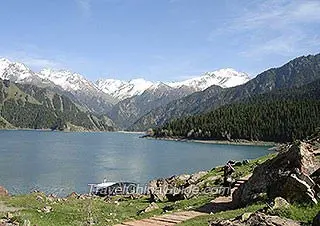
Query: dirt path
x=220 y=203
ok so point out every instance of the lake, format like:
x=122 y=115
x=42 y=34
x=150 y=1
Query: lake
x=59 y=162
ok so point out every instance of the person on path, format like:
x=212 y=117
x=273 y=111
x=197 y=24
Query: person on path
x=227 y=177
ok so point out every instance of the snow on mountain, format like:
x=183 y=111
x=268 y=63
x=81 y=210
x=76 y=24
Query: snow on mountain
x=224 y=77
x=67 y=80
x=74 y=85
x=16 y=72
x=123 y=89
x=113 y=88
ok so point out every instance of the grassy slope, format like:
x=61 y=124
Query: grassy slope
x=81 y=211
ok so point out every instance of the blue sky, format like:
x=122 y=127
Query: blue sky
x=158 y=39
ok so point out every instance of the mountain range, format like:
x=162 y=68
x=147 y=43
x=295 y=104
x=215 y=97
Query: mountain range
x=139 y=104
x=122 y=101
x=125 y=89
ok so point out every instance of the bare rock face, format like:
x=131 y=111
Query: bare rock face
x=3 y=191
x=288 y=175
x=255 y=219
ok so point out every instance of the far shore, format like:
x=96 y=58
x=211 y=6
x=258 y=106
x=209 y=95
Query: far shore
x=132 y=132
x=238 y=142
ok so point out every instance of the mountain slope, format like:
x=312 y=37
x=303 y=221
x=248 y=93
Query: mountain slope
x=143 y=100
x=28 y=106
x=280 y=115
x=295 y=73
x=129 y=110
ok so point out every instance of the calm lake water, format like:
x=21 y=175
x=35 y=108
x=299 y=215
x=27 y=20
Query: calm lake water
x=58 y=162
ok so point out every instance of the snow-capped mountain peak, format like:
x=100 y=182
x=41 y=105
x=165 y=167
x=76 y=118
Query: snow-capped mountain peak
x=16 y=72
x=68 y=80
x=225 y=78
x=120 y=89
x=123 y=89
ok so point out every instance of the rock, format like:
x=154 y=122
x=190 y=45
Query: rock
x=175 y=188
x=287 y=175
x=9 y=215
x=3 y=191
x=196 y=177
x=152 y=206
x=190 y=191
x=245 y=162
x=73 y=195
x=180 y=180
x=50 y=199
x=256 y=219
x=47 y=209
x=245 y=216
x=296 y=189
x=238 y=164
x=316 y=220
x=280 y=203
x=158 y=190
x=39 y=198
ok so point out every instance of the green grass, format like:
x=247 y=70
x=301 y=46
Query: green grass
x=301 y=213
x=81 y=211
x=244 y=170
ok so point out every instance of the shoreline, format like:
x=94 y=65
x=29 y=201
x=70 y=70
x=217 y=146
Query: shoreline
x=241 y=142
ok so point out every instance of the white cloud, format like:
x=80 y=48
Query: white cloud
x=275 y=27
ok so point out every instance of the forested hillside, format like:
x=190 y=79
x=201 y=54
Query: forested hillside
x=295 y=73
x=28 y=106
x=281 y=115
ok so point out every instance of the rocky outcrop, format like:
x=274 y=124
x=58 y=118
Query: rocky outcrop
x=256 y=219
x=288 y=175
x=3 y=191
x=176 y=187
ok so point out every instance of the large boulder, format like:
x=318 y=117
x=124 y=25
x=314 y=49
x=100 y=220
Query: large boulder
x=287 y=175
x=3 y=191
x=255 y=219
x=316 y=220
